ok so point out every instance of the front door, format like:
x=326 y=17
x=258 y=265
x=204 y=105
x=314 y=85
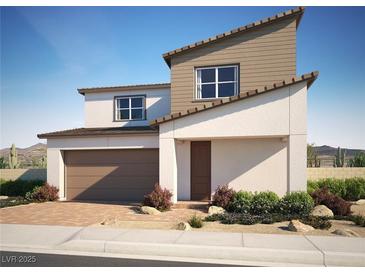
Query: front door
x=200 y=171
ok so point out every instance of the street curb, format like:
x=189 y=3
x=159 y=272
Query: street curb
x=148 y=257
x=241 y=254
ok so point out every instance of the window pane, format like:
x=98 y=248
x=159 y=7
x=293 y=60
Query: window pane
x=137 y=113
x=208 y=91
x=207 y=75
x=123 y=103
x=226 y=74
x=136 y=102
x=225 y=90
x=124 y=114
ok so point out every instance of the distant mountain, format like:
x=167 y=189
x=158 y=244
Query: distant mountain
x=27 y=156
x=331 y=151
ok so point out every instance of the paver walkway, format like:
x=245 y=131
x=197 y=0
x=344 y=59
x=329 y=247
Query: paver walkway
x=84 y=214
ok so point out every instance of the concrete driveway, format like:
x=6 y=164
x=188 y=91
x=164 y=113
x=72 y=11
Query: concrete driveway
x=85 y=214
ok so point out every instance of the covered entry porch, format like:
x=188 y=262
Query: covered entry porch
x=195 y=168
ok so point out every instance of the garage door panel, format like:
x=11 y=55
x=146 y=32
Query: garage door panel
x=109 y=182
x=122 y=170
x=111 y=175
x=106 y=194
x=113 y=156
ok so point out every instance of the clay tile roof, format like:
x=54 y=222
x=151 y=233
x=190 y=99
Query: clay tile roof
x=297 y=12
x=309 y=78
x=122 y=88
x=80 y=132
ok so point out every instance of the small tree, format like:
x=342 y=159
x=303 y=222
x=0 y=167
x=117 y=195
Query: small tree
x=312 y=157
x=13 y=157
x=3 y=164
x=340 y=158
x=358 y=160
x=42 y=163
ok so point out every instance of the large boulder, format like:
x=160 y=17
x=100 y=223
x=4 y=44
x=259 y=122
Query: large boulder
x=149 y=210
x=360 y=202
x=346 y=233
x=183 y=226
x=4 y=197
x=297 y=226
x=215 y=210
x=322 y=211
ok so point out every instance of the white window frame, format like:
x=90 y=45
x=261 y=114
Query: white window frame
x=198 y=84
x=130 y=108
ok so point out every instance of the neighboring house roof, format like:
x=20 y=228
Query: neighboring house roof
x=310 y=78
x=80 y=132
x=124 y=88
x=297 y=12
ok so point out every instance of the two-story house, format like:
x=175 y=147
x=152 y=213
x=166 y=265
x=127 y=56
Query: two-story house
x=234 y=113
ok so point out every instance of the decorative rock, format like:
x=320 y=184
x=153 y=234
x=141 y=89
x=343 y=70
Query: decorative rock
x=183 y=226
x=4 y=197
x=346 y=233
x=360 y=202
x=109 y=221
x=150 y=210
x=322 y=211
x=297 y=226
x=215 y=210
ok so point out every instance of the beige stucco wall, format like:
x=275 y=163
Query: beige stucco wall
x=99 y=107
x=338 y=172
x=250 y=165
x=263 y=115
x=26 y=174
x=279 y=116
x=56 y=147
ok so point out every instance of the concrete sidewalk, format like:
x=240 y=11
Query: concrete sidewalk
x=188 y=246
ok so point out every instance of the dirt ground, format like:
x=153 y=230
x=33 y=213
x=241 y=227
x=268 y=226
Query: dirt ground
x=127 y=216
x=277 y=228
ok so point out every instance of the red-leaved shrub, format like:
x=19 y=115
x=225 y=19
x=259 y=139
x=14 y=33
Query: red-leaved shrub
x=159 y=198
x=223 y=196
x=43 y=193
x=338 y=205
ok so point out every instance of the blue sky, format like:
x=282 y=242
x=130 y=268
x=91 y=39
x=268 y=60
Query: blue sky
x=49 y=52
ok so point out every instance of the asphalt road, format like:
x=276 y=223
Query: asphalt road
x=20 y=259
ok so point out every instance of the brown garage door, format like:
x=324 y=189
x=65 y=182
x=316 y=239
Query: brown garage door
x=110 y=175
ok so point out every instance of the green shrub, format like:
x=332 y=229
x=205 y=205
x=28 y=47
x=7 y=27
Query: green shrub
x=43 y=193
x=223 y=196
x=358 y=220
x=296 y=203
x=195 y=222
x=317 y=222
x=18 y=187
x=241 y=202
x=355 y=189
x=230 y=218
x=264 y=203
x=349 y=189
x=13 y=201
x=213 y=218
x=248 y=219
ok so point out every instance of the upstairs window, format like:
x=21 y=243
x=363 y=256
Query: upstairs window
x=130 y=108
x=216 y=82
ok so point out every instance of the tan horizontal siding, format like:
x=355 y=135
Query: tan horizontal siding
x=264 y=56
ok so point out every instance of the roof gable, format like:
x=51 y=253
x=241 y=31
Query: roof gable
x=294 y=13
